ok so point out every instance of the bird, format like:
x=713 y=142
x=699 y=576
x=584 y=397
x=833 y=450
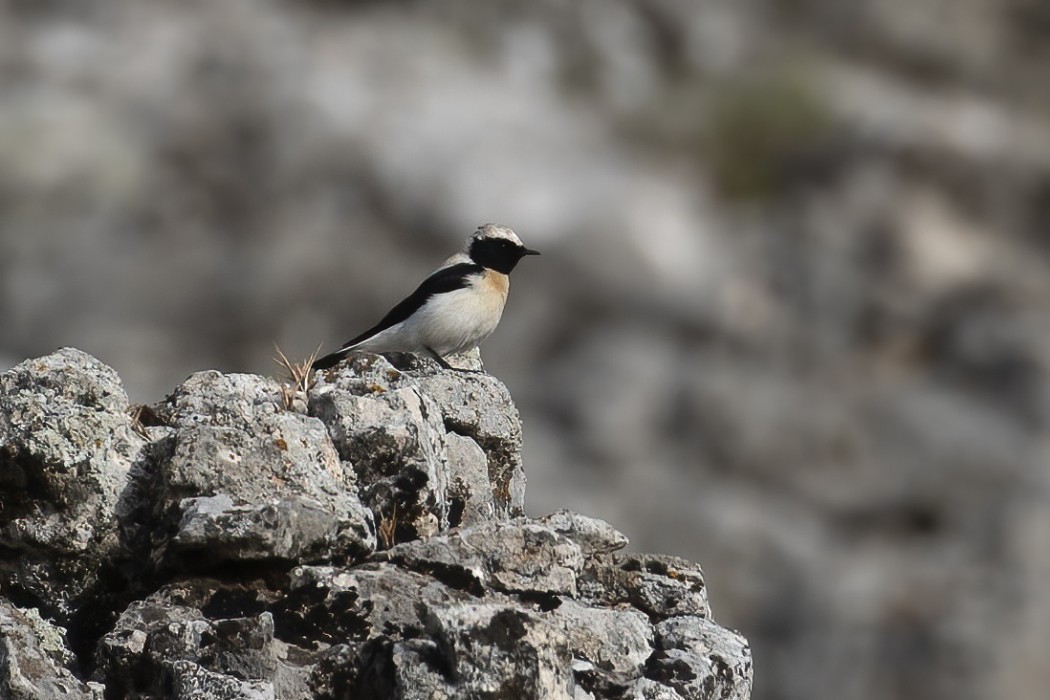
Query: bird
x=452 y=310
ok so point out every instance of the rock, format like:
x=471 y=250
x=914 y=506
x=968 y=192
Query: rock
x=513 y=557
x=658 y=585
x=34 y=659
x=479 y=406
x=612 y=639
x=472 y=650
x=191 y=682
x=647 y=689
x=592 y=535
x=701 y=659
x=241 y=532
x=395 y=441
x=469 y=490
x=223 y=400
x=486 y=649
x=426 y=456
x=329 y=605
x=66 y=449
x=241 y=479
x=186 y=637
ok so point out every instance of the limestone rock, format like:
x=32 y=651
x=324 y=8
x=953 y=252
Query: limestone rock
x=432 y=448
x=395 y=441
x=469 y=489
x=204 y=639
x=240 y=538
x=514 y=557
x=658 y=585
x=66 y=449
x=34 y=661
x=594 y=536
x=479 y=406
x=488 y=649
x=699 y=658
x=240 y=478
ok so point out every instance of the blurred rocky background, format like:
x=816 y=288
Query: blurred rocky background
x=792 y=319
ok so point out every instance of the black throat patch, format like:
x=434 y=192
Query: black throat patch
x=497 y=254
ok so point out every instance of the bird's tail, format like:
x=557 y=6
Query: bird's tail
x=330 y=360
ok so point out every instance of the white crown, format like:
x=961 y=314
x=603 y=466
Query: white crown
x=496 y=231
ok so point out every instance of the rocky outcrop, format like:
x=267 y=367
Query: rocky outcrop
x=66 y=450
x=34 y=659
x=364 y=541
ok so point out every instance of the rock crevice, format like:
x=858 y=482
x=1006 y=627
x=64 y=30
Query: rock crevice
x=371 y=544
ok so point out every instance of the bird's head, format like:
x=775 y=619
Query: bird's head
x=497 y=248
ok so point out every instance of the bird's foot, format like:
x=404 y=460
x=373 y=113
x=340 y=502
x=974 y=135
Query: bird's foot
x=438 y=358
x=445 y=365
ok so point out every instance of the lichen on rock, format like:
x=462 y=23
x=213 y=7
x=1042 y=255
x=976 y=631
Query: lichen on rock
x=368 y=541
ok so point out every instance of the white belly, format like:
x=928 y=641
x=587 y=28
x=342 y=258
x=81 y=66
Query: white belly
x=448 y=323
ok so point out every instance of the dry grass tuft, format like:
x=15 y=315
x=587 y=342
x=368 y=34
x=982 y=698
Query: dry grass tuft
x=388 y=528
x=298 y=379
x=137 y=413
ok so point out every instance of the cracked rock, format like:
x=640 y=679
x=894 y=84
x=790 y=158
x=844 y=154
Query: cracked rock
x=658 y=585
x=227 y=492
x=512 y=557
x=238 y=538
x=66 y=450
x=432 y=448
x=34 y=659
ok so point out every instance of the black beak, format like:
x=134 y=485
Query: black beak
x=531 y=252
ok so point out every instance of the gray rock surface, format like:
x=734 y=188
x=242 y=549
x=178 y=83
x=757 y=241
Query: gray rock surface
x=431 y=448
x=67 y=448
x=34 y=659
x=370 y=549
x=512 y=557
x=239 y=478
x=790 y=318
x=592 y=535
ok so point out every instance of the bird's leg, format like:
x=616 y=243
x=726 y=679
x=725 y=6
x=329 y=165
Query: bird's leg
x=441 y=361
x=439 y=358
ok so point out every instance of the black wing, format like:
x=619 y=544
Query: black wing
x=447 y=279
x=444 y=280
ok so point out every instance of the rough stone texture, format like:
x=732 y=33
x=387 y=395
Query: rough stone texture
x=613 y=639
x=469 y=488
x=66 y=449
x=700 y=659
x=167 y=641
x=34 y=659
x=592 y=535
x=242 y=538
x=514 y=557
x=659 y=585
x=395 y=441
x=835 y=397
x=242 y=479
x=431 y=448
x=491 y=649
x=464 y=402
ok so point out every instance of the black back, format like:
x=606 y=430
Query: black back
x=497 y=254
x=447 y=279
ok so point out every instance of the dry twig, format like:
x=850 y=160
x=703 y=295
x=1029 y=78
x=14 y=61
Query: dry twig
x=388 y=528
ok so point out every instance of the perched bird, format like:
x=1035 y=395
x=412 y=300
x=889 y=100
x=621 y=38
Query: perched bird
x=454 y=309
